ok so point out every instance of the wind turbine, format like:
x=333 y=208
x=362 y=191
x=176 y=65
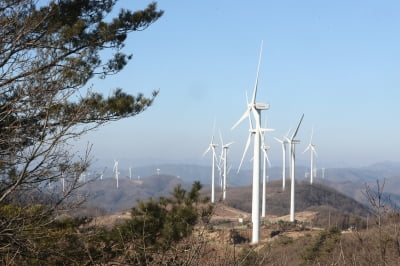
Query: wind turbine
x=255 y=109
x=313 y=152
x=115 y=170
x=265 y=149
x=82 y=176
x=212 y=147
x=292 y=143
x=283 y=143
x=130 y=173
x=102 y=173
x=63 y=182
x=224 y=160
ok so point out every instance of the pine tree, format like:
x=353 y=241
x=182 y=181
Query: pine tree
x=48 y=54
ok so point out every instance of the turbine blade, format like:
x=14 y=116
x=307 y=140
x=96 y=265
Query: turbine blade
x=245 y=151
x=229 y=144
x=246 y=114
x=221 y=157
x=287 y=134
x=298 y=126
x=268 y=161
x=253 y=99
x=220 y=137
x=312 y=133
x=207 y=150
x=215 y=121
x=216 y=160
x=250 y=122
x=308 y=147
x=314 y=151
x=278 y=140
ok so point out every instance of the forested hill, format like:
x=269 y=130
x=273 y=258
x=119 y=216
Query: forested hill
x=104 y=195
x=316 y=197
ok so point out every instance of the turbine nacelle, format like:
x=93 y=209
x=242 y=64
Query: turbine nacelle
x=226 y=146
x=281 y=141
x=292 y=141
x=261 y=106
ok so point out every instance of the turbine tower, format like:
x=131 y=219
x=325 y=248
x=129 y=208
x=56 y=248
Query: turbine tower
x=212 y=147
x=115 y=170
x=283 y=143
x=313 y=152
x=63 y=182
x=292 y=143
x=266 y=163
x=223 y=159
x=255 y=109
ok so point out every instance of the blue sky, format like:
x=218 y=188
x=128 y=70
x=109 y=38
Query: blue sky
x=338 y=62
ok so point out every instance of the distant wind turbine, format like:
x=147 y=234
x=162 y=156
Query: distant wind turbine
x=102 y=173
x=223 y=159
x=283 y=143
x=292 y=143
x=255 y=109
x=82 y=177
x=313 y=152
x=211 y=147
x=115 y=169
x=63 y=182
x=266 y=162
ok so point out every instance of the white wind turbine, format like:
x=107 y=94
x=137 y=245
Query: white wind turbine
x=255 y=109
x=212 y=147
x=313 y=152
x=63 y=182
x=115 y=170
x=266 y=161
x=292 y=143
x=283 y=143
x=130 y=173
x=223 y=159
x=82 y=177
x=102 y=173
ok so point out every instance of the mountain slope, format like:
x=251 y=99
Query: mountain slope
x=104 y=194
x=328 y=202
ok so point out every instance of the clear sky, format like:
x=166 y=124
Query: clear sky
x=338 y=62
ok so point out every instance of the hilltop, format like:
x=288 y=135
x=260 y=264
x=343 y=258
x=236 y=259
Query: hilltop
x=317 y=198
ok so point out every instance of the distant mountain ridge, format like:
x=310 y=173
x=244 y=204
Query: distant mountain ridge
x=193 y=172
x=349 y=181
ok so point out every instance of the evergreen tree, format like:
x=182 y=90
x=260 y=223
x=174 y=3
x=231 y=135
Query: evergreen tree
x=48 y=53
